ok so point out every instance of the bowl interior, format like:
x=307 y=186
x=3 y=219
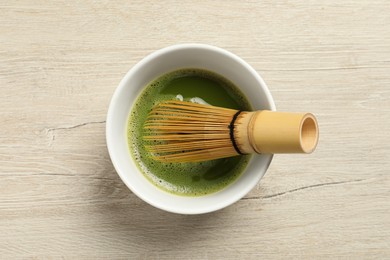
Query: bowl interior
x=158 y=63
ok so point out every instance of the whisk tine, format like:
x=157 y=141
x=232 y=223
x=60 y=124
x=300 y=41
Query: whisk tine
x=198 y=155
x=174 y=127
x=175 y=137
x=179 y=123
x=195 y=109
x=190 y=104
x=185 y=146
x=185 y=118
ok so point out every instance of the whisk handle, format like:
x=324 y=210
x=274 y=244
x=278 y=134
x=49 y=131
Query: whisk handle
x=280 y=132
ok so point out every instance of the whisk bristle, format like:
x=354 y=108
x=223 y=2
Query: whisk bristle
x=182 y=131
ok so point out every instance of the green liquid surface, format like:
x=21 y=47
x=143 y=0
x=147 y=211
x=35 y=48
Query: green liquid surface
x=186 y=179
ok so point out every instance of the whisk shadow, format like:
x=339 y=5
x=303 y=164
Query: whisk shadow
x=132 y=221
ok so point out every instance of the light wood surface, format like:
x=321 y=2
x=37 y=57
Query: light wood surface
x=60 y=62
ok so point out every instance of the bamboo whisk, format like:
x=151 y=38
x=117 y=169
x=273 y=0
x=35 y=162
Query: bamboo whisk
x=180 y=131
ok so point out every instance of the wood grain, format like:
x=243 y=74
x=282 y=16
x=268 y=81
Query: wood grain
x=60 y=62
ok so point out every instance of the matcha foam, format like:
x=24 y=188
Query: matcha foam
x=186 y=179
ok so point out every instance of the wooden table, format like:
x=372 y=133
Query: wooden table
x=60 y=62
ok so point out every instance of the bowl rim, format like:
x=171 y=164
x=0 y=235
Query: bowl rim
x=123 y=84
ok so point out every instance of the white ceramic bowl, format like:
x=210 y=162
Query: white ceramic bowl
x=154 y=65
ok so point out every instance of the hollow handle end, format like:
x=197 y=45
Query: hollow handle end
x=281 y=132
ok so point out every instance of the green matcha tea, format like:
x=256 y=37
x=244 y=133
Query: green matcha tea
x=186 y=179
